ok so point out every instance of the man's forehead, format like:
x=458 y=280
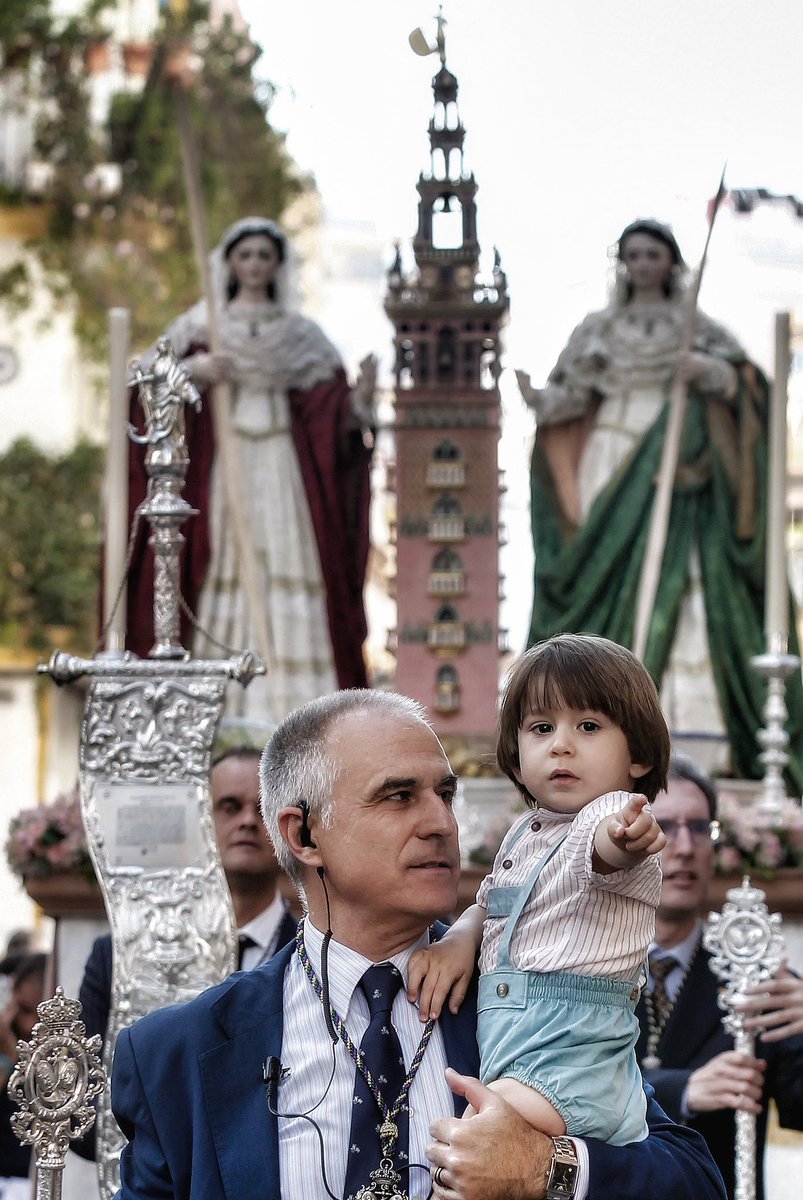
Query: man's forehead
x=682 y=796
x=385 y=740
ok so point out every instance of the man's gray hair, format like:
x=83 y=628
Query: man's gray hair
x=296 y=768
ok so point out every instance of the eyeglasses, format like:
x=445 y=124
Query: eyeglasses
x=699 y=830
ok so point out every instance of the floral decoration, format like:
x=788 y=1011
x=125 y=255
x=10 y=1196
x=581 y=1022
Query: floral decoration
x=49 y=840
x=744 y=845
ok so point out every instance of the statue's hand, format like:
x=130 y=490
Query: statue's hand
x=362 y=394
x=531 y=395
x=209 y=368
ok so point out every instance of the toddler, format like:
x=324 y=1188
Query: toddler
x=564 y=920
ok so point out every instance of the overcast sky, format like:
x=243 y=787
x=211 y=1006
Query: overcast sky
x=580 y=115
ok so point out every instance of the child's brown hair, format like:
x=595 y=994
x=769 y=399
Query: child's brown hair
x=576 y=670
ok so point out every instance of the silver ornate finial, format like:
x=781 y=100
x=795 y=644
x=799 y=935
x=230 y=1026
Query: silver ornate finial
x=746 y=945
x=164 y=392
x=57 y=1076
x=776 y=665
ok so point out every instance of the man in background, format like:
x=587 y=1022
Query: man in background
x=698 y=1077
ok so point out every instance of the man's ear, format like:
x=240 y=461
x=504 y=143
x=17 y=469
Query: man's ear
x=291 y=823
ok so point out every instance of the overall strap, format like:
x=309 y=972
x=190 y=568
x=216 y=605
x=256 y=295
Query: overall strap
x=503 y=961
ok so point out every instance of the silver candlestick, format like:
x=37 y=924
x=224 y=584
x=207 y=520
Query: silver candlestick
x=746 y=943
x=776 y=666
x=57 y=1076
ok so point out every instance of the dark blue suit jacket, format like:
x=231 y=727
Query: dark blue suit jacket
x=95 y=996
x=187 y=1090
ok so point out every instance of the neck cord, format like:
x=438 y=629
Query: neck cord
x=389 y=1131
x=655 y=1028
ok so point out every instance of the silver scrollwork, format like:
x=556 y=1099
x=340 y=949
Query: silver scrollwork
x=145 y=752
x=746 y=945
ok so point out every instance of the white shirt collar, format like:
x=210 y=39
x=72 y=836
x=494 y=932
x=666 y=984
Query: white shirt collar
x=684 y=951
x=264 y=927
x=346 y=967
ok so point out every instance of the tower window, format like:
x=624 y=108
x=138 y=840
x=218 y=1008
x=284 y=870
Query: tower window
x=447 y=223
x=446 y=451
x=447 y=505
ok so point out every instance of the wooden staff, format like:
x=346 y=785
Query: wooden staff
x=239 y=524
x=659 y=518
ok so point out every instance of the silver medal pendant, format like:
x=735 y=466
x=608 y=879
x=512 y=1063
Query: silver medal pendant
x=385 y=1184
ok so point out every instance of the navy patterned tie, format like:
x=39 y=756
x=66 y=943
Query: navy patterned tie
x=382 y=1054
x=659 y=969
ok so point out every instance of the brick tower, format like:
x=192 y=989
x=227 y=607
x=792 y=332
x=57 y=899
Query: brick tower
x=447 y=322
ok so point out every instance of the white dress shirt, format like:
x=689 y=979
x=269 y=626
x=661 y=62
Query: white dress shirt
x=308 y=1055
x=264 y=930
x=310 y=1087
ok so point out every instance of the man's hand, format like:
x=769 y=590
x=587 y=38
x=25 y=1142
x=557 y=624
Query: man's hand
x=780 y=1005
x=495 y=1155
x=731 y=1080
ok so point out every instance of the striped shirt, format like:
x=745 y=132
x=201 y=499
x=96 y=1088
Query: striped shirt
x=576 y=920
x=307 y=1054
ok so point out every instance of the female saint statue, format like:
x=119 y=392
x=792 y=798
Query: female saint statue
x=303 y=475
x=601 y=420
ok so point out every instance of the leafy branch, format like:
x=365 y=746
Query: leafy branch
x=132 y=247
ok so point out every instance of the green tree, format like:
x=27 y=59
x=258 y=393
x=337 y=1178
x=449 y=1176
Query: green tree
x=134 y=248
x=49 y=543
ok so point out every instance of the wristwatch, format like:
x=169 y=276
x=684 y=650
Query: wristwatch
x=563 y=1170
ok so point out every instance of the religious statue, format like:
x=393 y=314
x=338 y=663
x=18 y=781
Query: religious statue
x=601 y=420
x=303 y=465
x=164 y=391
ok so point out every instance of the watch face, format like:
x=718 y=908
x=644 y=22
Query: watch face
x=564 y=1179
x=9 y=364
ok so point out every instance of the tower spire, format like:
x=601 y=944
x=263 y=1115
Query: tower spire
x=447 y=320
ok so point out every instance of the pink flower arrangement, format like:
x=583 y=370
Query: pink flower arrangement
x=49 y=839
x=744 y=845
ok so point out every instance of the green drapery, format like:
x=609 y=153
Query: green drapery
x=586 y=579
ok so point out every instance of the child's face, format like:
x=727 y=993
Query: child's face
x=570 y=756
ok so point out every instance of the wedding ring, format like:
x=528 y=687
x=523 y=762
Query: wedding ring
x=437 y=1176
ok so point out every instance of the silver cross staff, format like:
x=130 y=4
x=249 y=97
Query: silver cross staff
x=57 y=1076
x=746 y=943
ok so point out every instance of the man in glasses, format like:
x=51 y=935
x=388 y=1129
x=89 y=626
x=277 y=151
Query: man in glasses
x=684 y=1052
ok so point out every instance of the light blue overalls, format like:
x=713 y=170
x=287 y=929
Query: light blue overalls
x=570 y=1037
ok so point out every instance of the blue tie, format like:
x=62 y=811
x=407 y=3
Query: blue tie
x=382 y=1055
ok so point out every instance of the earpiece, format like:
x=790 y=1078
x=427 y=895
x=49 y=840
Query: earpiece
x=305 y=835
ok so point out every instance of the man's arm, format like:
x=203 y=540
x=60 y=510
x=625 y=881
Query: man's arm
x=497 y=1155
x=144 y=1174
